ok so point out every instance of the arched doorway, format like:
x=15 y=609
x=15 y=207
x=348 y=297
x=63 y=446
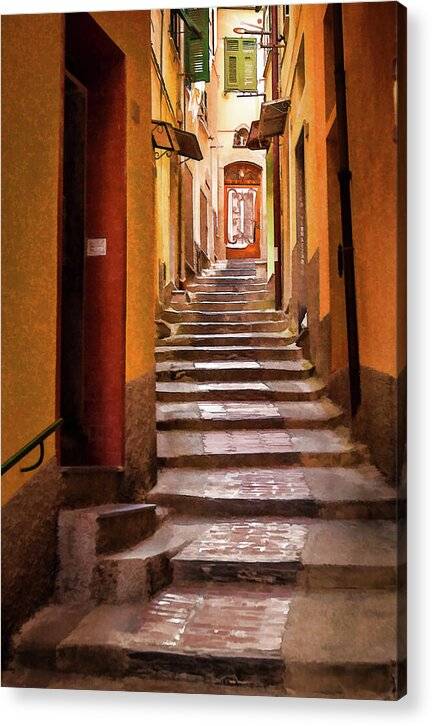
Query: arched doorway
x=242 y=205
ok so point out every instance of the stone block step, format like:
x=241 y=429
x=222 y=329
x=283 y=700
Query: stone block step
x=336 y=643
x=307 y=390
x=316 y=555
x=296 y=447
x=221 y=305
x=225 y=279
x=85 y=534
x=230 y=339
x=137 y=573
x=245 y=296
x=233 y=316
x=217 y=272
x=228 y=352
x=221 y=286
x=219 y=415
x=253 y=327
x=328 y=493
x=233 y=370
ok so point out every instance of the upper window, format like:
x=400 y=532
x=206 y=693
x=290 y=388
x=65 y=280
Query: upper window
x=240 y=137
x=240 y=64
x=174 y=28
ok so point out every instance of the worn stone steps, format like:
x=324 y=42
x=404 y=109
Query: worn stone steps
x=339 y=643
x=232 y=316
x=253 y=327
x=326 y=492
x=219 y=415
x=230 y=339
x=316 y=555
x=220 y=305
x=239 y=447
x=308 y=390
x=222 y=286
x=222 y=296
x=227 y=353
x=232 y=371
x=232 y=278
x=85 y=534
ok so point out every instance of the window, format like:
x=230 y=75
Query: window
x=197 y=51
x=174 y=28
x=240 y=137
x=240 y=64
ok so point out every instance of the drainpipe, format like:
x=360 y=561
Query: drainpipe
x=346 y=249
x=276 y=163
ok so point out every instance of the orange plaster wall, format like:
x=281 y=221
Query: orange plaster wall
x=370 y=49
x=32 y=116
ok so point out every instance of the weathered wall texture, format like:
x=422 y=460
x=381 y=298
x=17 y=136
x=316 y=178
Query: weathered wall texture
x=377 y=165
x=32 y=88
x=32 y=77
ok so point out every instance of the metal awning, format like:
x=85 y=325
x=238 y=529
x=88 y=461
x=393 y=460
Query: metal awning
x=163 y=136
x=188 y=144
x=273 y=117
x=254 y=140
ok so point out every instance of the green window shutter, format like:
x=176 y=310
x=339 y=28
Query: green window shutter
x=197 y=65
x=233 y=62
x=240 y=64
x=249 y=64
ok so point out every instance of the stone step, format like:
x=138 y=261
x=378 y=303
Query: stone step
x=221 y=305
x=87 y=533
x=229 y=339
x=240 y=447
x=233 y=370
x=137 y=573
x=328 y=493
x=219 y=415
x=231 y=328
x=221 y=286
x=335 y=643
x=227 y=353
x=316 y=555
x=225 y=279
x=246 y=296
x=232 y=316
x=228 y=272
x=308 y=390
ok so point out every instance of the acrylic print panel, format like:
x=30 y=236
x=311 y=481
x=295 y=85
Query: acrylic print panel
x=220 y=509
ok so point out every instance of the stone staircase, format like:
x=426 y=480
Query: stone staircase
x=264 y=561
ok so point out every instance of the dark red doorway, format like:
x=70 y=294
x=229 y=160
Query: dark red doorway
x=94 y=433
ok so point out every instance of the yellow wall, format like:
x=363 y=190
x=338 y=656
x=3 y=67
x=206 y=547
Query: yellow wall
x=370 y=47
x=32 y=64
x=131 y=32
x=32 y=85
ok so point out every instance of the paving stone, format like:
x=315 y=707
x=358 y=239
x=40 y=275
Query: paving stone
x=255 y=551
x=307 y=390
x=331 y=493
x=245 y=414
x=227 y=352
x=253 y=447
x=232 y=371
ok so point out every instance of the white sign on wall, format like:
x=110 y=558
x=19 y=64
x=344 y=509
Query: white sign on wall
x=96 y=247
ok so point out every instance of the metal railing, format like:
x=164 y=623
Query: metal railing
x=39 y=440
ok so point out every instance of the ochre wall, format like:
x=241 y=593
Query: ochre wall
x=32 y=117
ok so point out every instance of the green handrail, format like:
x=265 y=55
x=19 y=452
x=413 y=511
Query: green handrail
x=37 y=441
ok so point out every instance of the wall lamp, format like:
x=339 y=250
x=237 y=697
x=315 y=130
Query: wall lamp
x=164 y=137
x=259 y=31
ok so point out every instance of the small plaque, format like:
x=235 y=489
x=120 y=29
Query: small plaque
x=96 y=247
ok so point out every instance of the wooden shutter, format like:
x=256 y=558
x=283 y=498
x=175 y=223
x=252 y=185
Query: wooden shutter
x=197 y=65
x=249 y=64
x=240 y=64
x=233 y=59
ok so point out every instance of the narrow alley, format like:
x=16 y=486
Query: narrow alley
x=222 y=505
